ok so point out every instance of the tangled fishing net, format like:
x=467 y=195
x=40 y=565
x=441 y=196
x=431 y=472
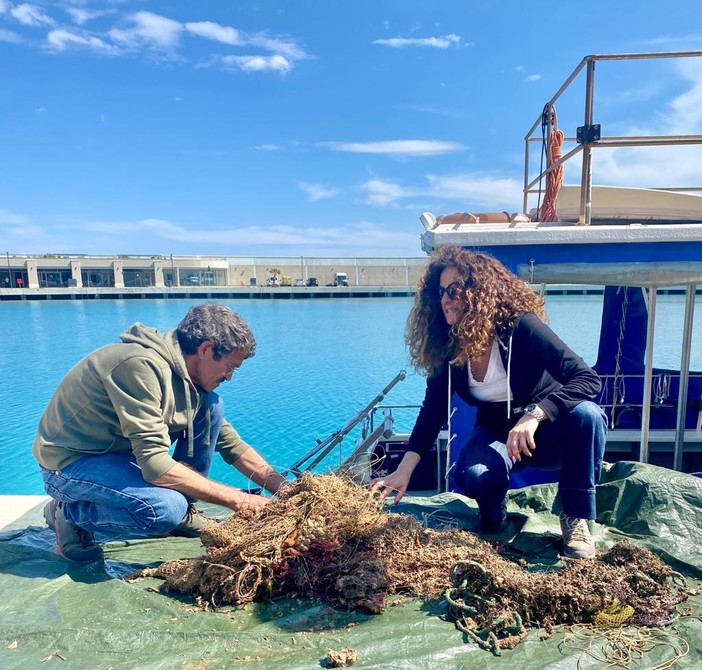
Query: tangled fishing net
x=325 y=537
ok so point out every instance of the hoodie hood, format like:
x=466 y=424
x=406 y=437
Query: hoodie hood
x=168 y=347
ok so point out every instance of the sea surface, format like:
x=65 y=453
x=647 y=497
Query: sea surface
x=318 y=363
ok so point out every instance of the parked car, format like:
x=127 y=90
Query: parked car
x=272 y=281
x=299 y=282
x=312 y=281
x=285 y=281
x=341 y=279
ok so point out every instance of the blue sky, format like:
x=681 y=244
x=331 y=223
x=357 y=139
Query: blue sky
x=315 y=128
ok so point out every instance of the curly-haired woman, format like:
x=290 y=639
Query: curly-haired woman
x=478 y=330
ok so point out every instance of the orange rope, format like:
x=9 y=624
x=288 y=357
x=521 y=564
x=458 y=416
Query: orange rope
x=554 y=181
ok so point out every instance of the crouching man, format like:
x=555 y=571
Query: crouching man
x=104 y=441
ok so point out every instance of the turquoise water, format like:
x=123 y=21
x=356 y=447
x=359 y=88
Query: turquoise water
x=318 y=363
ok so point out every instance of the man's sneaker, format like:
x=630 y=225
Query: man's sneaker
x=492 y=522
x=193 y=523
x=577 y=541
x=50 y=513
x=73 y=543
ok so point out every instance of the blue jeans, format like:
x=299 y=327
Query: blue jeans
x=574 y=443
x=107 y=494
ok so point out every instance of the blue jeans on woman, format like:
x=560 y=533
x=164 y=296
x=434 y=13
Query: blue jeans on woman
x=107 y=494
x=574 y=443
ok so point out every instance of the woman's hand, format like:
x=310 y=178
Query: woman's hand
x=521 y=438
x=397 y=481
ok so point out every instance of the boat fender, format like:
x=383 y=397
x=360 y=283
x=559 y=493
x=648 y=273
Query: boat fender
x=428 y=220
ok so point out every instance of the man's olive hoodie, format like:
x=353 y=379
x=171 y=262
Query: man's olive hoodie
x=132 y=396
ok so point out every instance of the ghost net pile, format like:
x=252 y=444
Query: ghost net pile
x=325 y=537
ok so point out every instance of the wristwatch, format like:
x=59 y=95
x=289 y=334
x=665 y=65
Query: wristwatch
x=534 y=410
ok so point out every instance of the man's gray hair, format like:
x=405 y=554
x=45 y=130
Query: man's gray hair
x=218 y=324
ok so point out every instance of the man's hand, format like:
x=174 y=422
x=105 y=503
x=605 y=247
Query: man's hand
x=521 y=438
x=188 y=482
x=251 y=501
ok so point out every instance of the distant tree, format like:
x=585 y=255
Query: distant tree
x=275 y=271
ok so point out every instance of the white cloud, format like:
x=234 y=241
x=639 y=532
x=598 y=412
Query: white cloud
x=384 y=193
x=443 y=42
x=258 y=63
x=82 y=16
x=658 y=166
x=276 y=45
x=40 y=110
x=152 y=30
x=60 y=40
x=10 y=36
x=158 y=35
x=27 y=232
x=8 y=218
x=31 y=15
x=360 y=238
x=318 y=191
x=398 y=147
x=216 y=32
x=533 y=77
x=471 y=190
x=268 y=147
x=478 y=189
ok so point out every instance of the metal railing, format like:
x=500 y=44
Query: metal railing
x=590 y=140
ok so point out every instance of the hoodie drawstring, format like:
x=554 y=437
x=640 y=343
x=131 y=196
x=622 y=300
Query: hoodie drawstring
x=509 y=370
x=189 y=409
x=449 y=412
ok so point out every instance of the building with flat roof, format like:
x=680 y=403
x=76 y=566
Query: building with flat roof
x=85 y=271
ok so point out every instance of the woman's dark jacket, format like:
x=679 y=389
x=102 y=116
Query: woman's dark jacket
x=540 y=369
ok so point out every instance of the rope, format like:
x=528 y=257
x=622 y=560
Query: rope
x=626 y=648
x=618 y=381
x=505 y=631
x=554 y=180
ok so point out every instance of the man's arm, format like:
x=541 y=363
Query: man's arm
x=188 y=482
x=252 y=465
x=246 y=459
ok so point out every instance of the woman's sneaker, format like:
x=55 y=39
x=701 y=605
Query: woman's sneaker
x=73 y=543
x=577 y=541
x=193 y=523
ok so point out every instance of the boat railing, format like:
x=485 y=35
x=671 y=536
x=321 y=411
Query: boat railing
x=622 y=399
x=625 y=409
x=589 y=136
x=369 y=433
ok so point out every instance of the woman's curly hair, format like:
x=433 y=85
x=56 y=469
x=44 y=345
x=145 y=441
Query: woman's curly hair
x=491 y=297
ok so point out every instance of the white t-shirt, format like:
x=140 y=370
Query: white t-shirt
x=494 y=387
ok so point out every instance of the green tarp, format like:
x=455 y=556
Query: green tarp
x=57 y=614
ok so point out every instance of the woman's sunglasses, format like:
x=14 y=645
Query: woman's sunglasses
x=451 y=291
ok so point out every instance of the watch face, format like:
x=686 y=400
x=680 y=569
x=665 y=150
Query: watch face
x=534 y=410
